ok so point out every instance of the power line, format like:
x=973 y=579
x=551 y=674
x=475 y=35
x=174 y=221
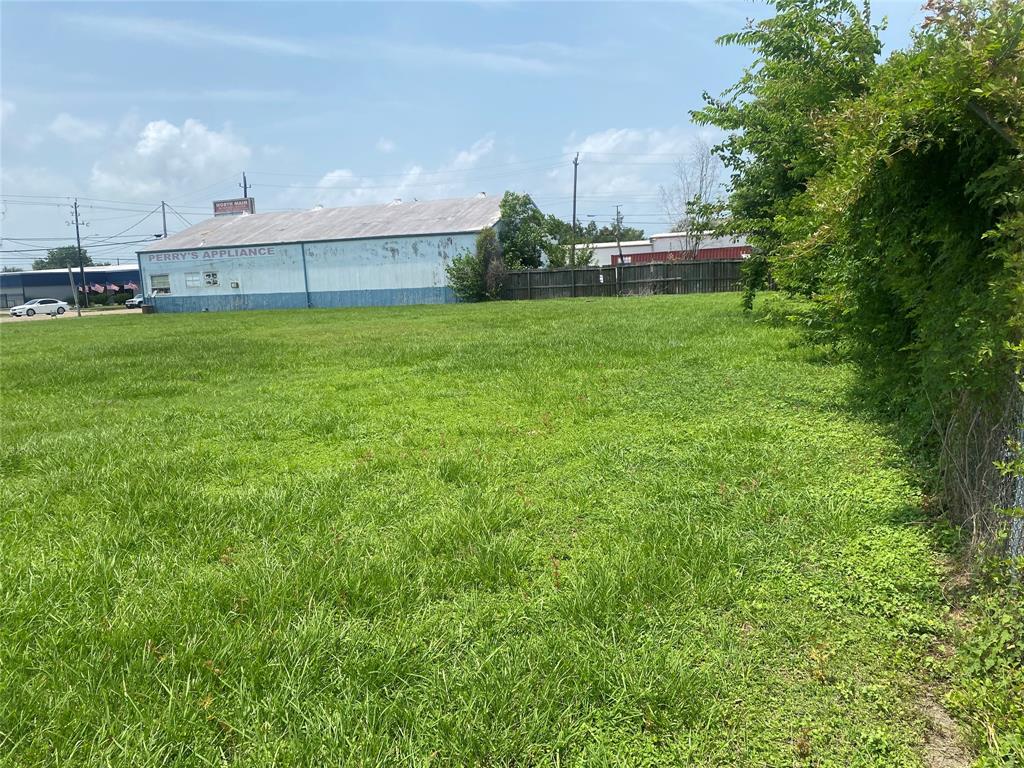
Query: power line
x=90 y=247
x=175 y=212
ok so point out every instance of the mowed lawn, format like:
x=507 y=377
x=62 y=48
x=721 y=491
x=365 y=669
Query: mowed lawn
x=585 y=532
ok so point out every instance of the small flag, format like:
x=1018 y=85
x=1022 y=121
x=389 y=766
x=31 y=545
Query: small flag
x=96 y=288
x=113 y=287
x=131 y=286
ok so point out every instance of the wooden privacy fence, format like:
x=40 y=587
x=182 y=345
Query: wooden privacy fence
x=623 y=280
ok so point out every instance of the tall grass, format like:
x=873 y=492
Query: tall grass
x=601 y=532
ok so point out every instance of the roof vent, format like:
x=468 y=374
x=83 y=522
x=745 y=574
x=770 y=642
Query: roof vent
x=481 y=194
x=396 y=201
x=317 y=207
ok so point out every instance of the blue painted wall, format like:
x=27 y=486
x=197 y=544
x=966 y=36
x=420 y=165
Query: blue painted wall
x=349 y=273
x=366 y=298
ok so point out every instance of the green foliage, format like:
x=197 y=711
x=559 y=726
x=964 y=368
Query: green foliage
x=988 y=673
x=609 y=233
x=99 y=299
x=910 y=242
x=551 y=533
x=523 y=234
x=10 y=268
x=467 y=275
x=557 y=245
x=529 y=239
x=810 y=55
x=894 y=201
x=65 y=256
x=476 y=275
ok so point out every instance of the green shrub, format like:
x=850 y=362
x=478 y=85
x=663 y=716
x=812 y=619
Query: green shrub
x=476 y=275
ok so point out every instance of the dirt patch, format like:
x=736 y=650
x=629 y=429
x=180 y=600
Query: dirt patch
x=942 y=745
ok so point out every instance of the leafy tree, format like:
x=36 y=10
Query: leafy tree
x=809 y=56
x=529 y=238
x=10 y=268
x=64 y=256
x=523 y=234
x=609 y=233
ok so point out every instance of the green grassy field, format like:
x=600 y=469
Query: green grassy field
x=591 y=532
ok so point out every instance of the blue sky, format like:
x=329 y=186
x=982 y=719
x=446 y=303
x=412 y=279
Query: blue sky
x=127 y=104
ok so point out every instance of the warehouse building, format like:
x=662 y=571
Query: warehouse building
x=327 y=257
x=671 y=246
x=18 y=287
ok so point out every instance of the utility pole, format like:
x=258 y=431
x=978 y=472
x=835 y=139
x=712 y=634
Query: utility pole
x=74 y=292
x=618 y=230
x=244 y=185
x=163 y=210
x=575 y=166
x=81 y=259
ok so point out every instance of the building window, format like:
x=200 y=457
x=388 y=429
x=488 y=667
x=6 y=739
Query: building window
x=192 y=280
x=210 y=278
x=160 y=283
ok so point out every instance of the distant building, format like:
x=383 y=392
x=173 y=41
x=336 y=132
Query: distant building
x=671 y=246
x=19 y=287
x=327 y=257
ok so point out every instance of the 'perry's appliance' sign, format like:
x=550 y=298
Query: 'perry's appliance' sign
x=234 y=207
x=213 y=253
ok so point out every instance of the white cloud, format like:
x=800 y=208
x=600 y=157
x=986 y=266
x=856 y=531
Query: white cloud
x=342 y=186
x=646 y=142
x=7 y=108
x=187 y=34
x=621 y=166
x=76 y=130
x=167 y=158
x=387 y=146
x=467 y=158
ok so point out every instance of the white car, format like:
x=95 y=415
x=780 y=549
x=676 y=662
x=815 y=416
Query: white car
x=40 y=307
x=134 y=302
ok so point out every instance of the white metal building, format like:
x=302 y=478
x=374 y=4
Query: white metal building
x=670 y=246
x=328 y=257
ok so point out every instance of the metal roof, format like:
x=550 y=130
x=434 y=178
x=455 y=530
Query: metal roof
x=707 y=241
x=396 y=219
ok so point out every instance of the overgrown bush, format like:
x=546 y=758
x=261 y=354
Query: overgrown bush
x=476 y=275
x=891 y=198
x=910 y=242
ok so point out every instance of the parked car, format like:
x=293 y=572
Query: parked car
x=134 y=302
x=40 y=307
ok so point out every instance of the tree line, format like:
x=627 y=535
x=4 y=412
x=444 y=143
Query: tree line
x=527 y=239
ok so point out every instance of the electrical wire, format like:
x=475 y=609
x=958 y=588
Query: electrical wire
x=91 y=246
x=175 y=212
